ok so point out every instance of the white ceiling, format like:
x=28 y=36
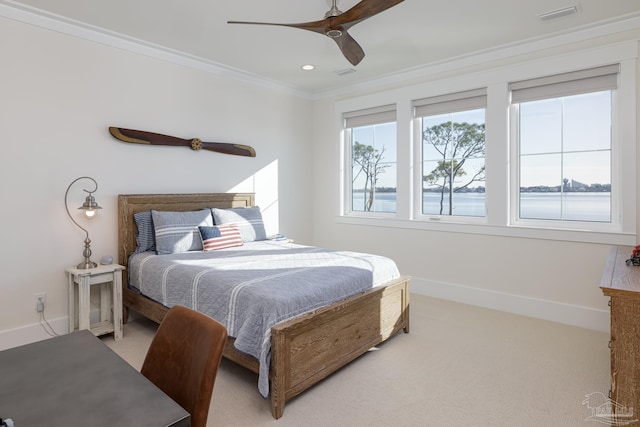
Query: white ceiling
x=412 y=34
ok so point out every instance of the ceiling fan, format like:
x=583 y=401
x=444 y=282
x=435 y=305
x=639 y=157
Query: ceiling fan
x=336 y=23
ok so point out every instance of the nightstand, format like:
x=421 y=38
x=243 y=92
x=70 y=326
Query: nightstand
x=104 y=276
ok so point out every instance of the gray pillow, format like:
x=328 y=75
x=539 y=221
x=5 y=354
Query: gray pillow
x=178 y=232
x=145 y=238
x=248 y=220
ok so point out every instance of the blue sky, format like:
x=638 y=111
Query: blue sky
x=580 y=125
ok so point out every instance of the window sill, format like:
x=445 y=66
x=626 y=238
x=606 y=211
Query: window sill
x=600 y=237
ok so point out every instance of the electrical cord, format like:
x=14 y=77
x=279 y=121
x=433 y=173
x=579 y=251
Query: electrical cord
x=45 y=325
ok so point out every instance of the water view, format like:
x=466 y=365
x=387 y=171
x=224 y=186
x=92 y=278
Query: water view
x=588 y=206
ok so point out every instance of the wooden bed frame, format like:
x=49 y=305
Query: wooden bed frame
x=304 y=350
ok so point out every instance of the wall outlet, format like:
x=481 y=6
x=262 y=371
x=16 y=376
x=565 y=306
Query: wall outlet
x=41 y=301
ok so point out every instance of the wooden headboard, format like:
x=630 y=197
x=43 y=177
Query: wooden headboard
x=130 y=204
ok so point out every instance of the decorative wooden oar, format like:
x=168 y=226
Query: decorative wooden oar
x=150 y=138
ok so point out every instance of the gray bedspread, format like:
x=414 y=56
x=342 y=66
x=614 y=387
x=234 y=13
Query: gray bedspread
x=251 y=288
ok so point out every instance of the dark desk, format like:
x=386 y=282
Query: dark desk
x=74 y=380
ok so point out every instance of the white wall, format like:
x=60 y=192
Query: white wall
x=550 y=279
x=59 y=94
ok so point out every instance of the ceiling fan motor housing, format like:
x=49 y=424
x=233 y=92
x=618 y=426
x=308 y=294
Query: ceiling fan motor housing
x=334 y=11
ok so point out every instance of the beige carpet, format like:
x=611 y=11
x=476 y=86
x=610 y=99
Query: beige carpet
x=459 y=366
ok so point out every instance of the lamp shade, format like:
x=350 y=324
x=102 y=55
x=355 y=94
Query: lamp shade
x=90 y=206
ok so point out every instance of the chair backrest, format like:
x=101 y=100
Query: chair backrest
x=183 y=359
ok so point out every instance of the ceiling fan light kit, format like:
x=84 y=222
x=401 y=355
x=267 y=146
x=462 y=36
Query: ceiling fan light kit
x=336 y=24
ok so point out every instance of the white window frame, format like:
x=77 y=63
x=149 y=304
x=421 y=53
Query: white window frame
x=350 y=119
x=499 y=150
x=450 y=103
x=615 y=225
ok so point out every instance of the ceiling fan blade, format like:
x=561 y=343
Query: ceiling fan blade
x=361 y=11
x=315 y=26
x=350 y=48
x=336 y=27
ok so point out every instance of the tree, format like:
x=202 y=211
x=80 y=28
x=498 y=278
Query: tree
x=368 y=159
x=455 y=143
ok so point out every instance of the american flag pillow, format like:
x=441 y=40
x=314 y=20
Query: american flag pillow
x=220 y=237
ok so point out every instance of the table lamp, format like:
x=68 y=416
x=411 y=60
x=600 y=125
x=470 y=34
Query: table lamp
x=90 y=207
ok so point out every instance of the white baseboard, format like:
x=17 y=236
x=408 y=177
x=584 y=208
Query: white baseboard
x=32 y=333
x=36 y=332
x=584 y=317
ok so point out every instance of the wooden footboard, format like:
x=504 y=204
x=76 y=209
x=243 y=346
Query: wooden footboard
x=304 y=350
x=308 y=348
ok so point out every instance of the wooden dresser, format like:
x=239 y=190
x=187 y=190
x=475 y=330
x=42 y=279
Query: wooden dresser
x=621 y=283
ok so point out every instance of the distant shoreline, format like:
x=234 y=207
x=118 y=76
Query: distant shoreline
x=595 y=188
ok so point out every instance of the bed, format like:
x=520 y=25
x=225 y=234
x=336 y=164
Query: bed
x=304 y=349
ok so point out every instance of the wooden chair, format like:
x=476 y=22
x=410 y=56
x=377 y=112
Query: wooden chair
x=183 y=359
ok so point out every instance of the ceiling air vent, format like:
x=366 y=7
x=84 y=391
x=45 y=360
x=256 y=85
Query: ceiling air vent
x=555 y=14
x=345 y=72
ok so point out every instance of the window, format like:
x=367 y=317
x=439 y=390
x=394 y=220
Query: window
x=370 y=136
x=529 y=150
x=452 y=130
x=564 y=146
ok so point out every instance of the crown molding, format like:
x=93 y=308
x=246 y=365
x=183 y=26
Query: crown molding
x=43 y=19
x=37 y=17
x=610 y=27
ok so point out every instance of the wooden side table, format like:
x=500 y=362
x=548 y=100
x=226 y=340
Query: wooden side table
x=102 y=275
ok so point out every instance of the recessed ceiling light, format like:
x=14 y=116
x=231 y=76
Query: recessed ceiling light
x=555 y=14
x=308 y=67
